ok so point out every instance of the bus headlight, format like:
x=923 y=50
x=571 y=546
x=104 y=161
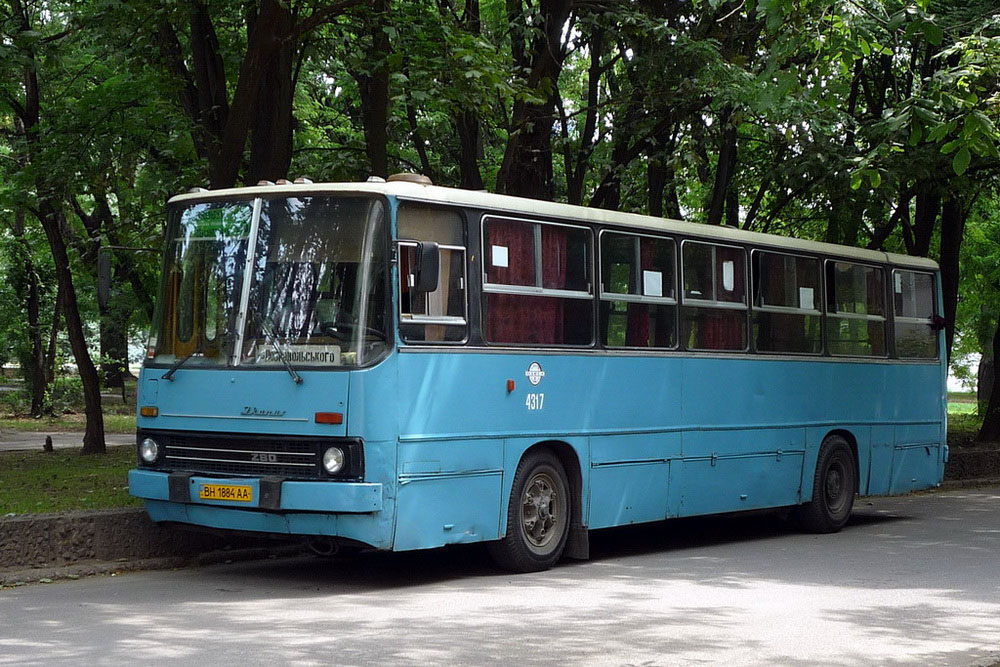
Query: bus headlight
x=149 y=450
x=333 y=460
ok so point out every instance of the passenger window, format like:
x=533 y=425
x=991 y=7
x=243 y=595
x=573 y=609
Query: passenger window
x=855 y=309
x=438 y=316
x=786 y=316
x=913 y=299
x=537 y=280
x=638 y=304
x=714 y=313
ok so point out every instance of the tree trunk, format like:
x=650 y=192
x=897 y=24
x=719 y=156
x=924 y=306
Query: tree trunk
x=93 y=438
x=271 y=125
x=990 y=432
x=470 y=149
x=952 y=229
x=724 y=170
x=25 y=280
x=985 y=377
x=526 y=169
x=374 y=88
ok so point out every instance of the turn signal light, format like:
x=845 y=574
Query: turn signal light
x=329 y=417
x=149 y=411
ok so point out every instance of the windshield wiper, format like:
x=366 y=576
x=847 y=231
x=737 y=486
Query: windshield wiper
x=169 y=375
x=269 y=333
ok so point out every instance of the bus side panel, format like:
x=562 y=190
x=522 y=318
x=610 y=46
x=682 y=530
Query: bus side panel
x=734 y=470
x=434 y=511
x=449 y=492
x=630 y=477
x=916 y=452
x=880 y=464
x=372 y=416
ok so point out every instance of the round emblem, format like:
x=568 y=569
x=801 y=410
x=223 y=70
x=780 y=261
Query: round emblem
x=534 y=373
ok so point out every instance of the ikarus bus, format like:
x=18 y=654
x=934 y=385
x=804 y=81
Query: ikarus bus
x=399 y=366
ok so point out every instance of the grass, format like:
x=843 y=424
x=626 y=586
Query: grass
x=962 y=408
x=113 y=423
x=32 y=482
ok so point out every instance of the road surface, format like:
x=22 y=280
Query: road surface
x=913 y=580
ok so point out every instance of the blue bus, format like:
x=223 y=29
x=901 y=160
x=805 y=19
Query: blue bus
x=397 y=365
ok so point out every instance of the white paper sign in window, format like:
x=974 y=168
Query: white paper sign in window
x=899 y=283
x=652 y=283
x=728 y=276
x=500 y=257
x=806 y=298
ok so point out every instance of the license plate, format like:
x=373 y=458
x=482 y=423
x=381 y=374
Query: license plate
x=242 y=494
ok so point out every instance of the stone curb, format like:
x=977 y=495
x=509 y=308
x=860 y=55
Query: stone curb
x=111 y=540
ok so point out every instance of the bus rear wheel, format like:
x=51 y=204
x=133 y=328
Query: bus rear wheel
x=537 y=516
x=834 y=485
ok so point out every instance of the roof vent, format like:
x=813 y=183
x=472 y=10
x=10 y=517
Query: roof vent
x=282 y=181
x=265 y=182
x=302 y=180
x=197 y=189
x=407 y=177
x=375 y=179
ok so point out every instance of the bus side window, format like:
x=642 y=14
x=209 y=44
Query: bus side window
x=913 y=310
x=438 y=316
x=638 y=302
x=855 y=322
x=714 y=314
x=786 y=316
x=537 y=283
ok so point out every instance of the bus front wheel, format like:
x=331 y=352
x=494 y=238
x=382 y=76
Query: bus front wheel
x=537 y=516
x=834 y=485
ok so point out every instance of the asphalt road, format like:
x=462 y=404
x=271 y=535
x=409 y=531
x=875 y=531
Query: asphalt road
x=12 y=440
x=912 y=580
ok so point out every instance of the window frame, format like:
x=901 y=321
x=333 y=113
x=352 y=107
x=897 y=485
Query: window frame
x=696 y=303
x=819 y=301
x=674 y=301
x=929 y=321
x=486 y=287
x=447 y=320
x=828 y=315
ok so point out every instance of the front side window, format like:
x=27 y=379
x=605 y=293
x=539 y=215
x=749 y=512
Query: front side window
x=786 y=316
x=855 y=309
x=537 y=282
x=202 y=281
x=714 y=312
x=298 y=281
x=439 y=315
x=913 y=307
x=638 y=302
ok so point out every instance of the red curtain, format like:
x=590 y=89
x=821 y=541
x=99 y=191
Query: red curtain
x=516 y=318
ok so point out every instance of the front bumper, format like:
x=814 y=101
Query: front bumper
x=292 y=496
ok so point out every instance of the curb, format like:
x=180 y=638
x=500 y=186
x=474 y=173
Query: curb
x=46 y=546
x=12 y=578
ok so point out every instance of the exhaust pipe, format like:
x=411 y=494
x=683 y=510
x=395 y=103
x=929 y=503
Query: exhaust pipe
x=324 y=547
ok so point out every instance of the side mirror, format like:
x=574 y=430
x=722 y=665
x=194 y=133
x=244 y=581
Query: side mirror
x=427 y=271
x=103 y=277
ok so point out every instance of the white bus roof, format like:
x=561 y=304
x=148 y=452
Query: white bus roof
x=533 y=207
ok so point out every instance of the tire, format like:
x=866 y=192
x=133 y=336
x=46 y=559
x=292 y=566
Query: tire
x=538 y=516
x=834 y=486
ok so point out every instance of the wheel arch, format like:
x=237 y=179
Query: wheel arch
x=852 y=442
x=577 y=544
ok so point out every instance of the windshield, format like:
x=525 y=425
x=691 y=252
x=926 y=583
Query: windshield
x=316 y=297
